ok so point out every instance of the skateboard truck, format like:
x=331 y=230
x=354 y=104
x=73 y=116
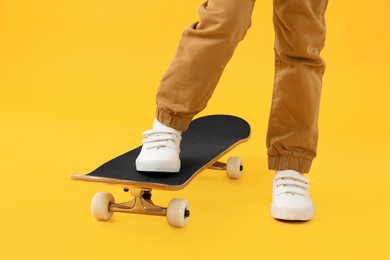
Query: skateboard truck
x=103 y=207
x=140 y=204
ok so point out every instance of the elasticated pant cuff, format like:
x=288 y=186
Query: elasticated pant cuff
x=178 y=121
x=289 y=163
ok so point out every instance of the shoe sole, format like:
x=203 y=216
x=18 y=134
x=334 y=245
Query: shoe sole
x=157 y=166
x=292 y=214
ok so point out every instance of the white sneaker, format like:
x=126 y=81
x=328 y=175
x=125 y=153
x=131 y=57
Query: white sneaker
x=160 y=150
x=290 y=197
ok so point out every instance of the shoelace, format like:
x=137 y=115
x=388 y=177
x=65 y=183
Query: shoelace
x=294 y=184
x=159 y=138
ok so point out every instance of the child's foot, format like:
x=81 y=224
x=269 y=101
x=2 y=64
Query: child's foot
x=160 y=150
x=290 y=197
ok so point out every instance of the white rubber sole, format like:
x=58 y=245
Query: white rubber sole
x=157 y=166
x=292 y=214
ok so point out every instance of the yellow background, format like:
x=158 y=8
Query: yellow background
x=77 y=85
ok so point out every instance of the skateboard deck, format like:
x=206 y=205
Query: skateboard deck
x=206 y=140
x=203 y=144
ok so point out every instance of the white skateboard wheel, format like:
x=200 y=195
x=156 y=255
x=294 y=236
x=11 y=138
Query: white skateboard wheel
x=234 y=167
x=100 y=206
x=178 y=213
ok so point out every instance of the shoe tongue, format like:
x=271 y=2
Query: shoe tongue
x=157 y=124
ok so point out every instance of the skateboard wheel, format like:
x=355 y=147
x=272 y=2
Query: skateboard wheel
x=178 y=212
x=234 y=167
x=100 y=206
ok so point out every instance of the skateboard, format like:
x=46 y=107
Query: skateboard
x=203 y=144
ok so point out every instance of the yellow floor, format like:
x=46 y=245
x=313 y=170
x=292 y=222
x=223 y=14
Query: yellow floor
x=77 y=84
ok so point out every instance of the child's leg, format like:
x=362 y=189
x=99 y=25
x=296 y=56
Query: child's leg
x=202 y=54
x=292 y=131
x=300 y=35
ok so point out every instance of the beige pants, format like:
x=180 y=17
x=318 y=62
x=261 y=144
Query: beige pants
x=206 y=47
